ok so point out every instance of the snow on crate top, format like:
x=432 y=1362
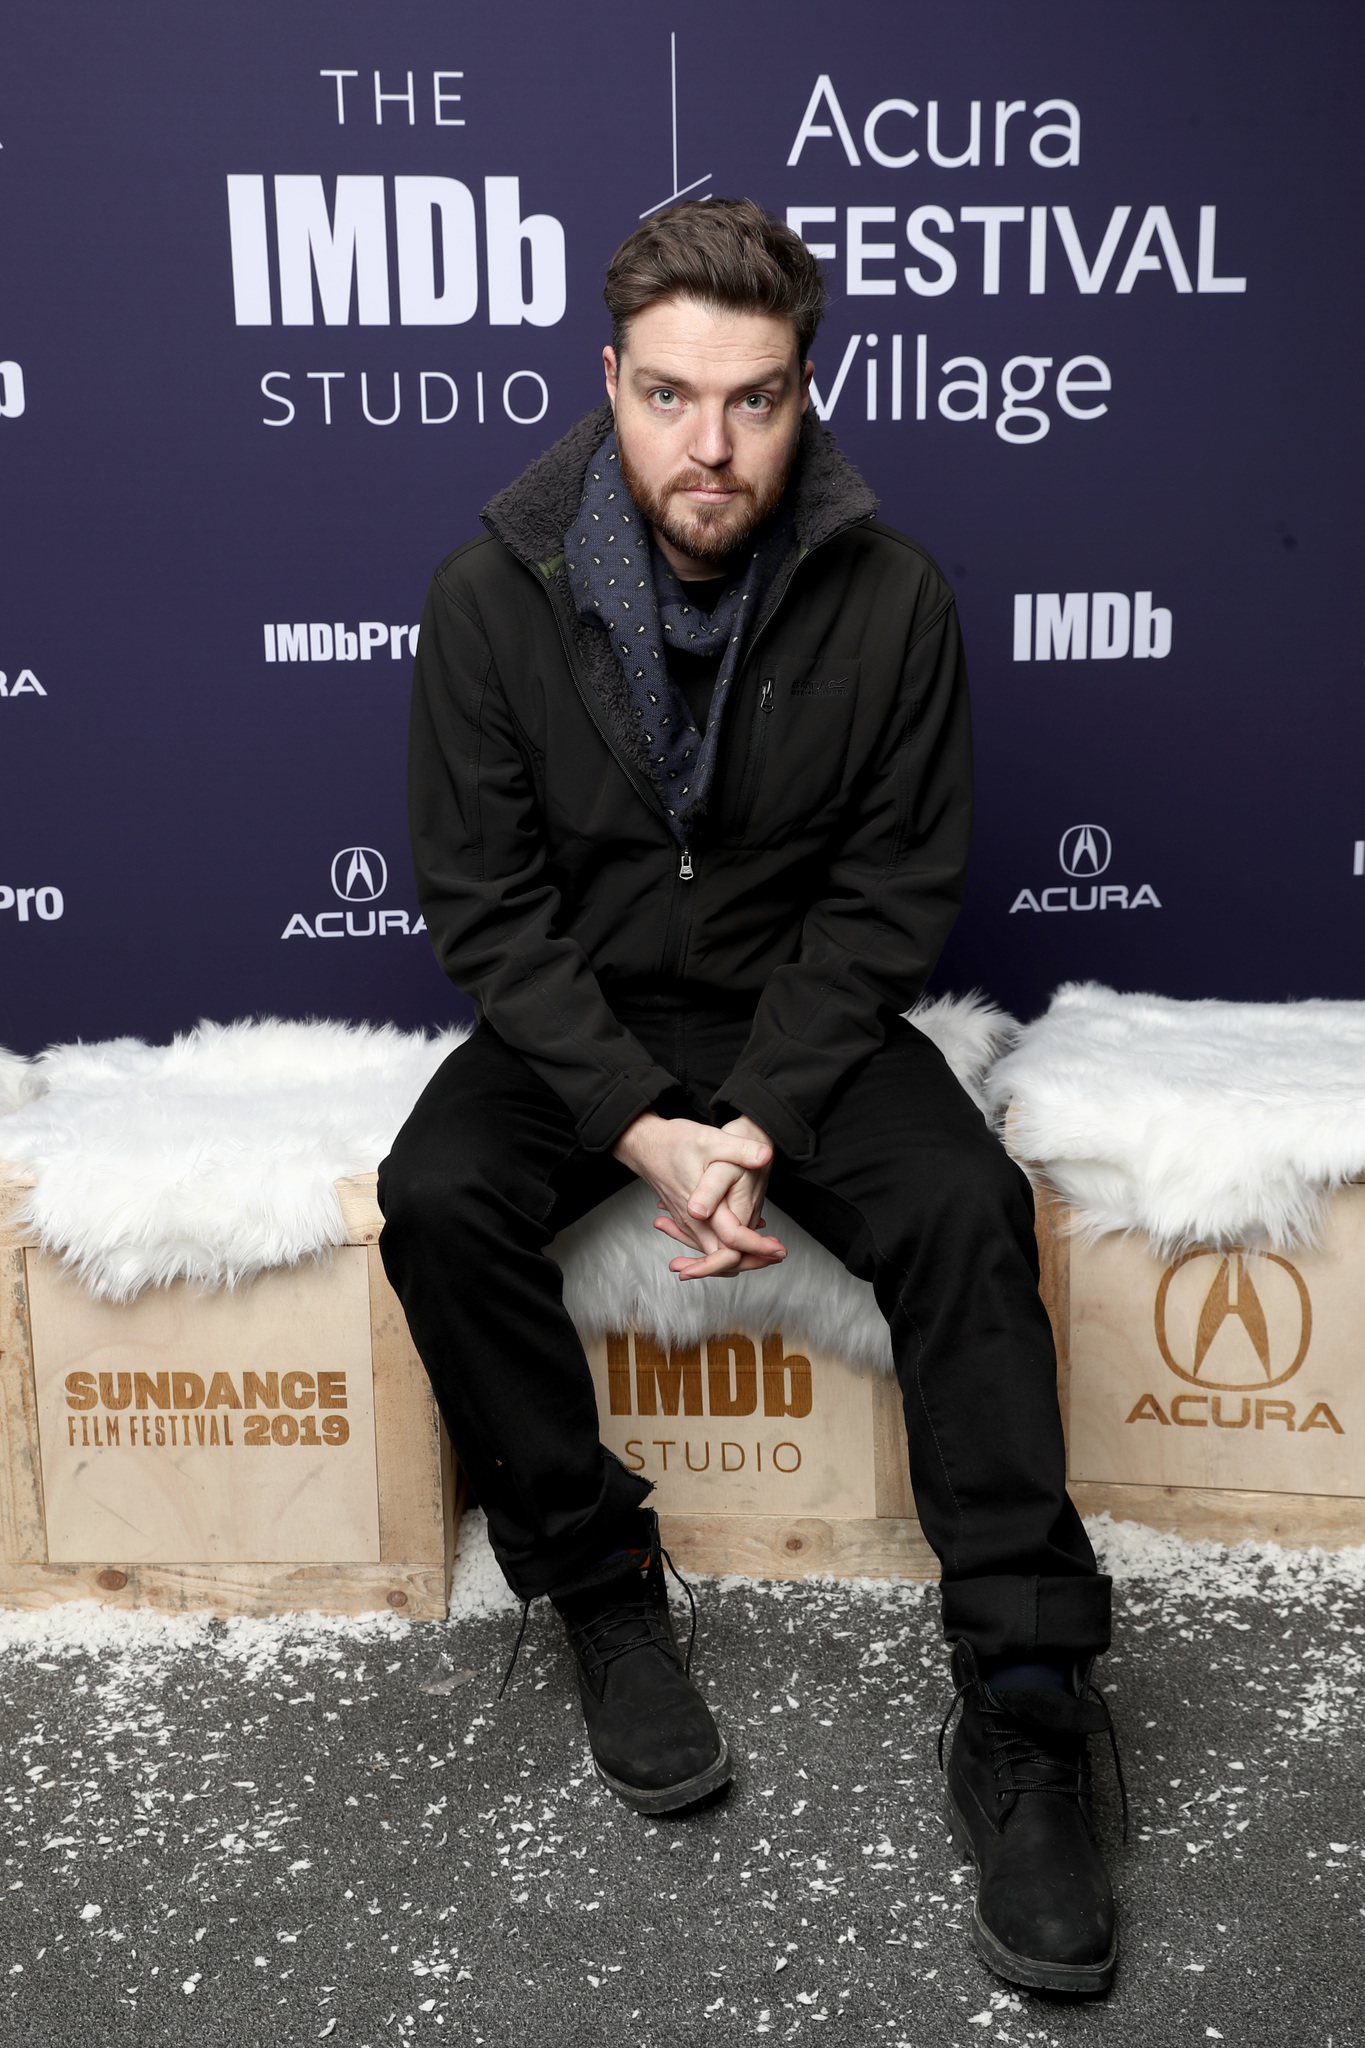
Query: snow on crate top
x=1211 y=1123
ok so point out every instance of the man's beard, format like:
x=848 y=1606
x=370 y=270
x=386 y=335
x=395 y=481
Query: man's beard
x=706 y=533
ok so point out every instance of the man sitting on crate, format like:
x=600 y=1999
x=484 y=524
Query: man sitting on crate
x=690 y=803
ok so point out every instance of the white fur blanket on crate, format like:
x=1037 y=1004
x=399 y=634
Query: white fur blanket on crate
x=1194 y=1122
x=214 y=1157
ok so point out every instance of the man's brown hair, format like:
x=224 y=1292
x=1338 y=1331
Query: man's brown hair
x=723 y=252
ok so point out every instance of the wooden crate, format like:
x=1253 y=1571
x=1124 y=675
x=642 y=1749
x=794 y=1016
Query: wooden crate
x=777 y=1464
x=1214 y=1395
x=253 y=1451
x=1219 y=1394
x=1211 y=1396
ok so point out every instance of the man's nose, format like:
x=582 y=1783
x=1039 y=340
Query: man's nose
x=710 y=439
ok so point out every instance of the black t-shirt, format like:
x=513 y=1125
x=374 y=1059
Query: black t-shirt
x=695 y=674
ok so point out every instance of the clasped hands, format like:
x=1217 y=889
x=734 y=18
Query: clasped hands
x=710 y=1184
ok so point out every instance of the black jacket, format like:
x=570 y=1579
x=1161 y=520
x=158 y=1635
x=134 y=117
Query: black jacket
x=829 y=869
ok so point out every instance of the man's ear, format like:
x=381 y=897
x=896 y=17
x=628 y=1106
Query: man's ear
x=609 y=367
x=807 y=373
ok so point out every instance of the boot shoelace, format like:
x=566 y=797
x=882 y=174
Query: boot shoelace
x=591 y=1636
x=1015 y=1750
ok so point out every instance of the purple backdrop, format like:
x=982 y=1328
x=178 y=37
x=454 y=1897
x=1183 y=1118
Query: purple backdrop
x=1152 y=222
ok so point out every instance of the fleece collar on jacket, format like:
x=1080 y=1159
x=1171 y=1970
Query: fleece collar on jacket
x=532 y=515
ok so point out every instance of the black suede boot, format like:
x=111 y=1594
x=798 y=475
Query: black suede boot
x=1018 y=1804
x=653 y=1739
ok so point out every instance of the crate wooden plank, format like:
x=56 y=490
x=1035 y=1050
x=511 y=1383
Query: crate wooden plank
x=14 y=1190
x=895 y=1501
x=798 y=1547
x=412 y=1492
x=360 y=1208
x=454 y=1497
x=414 y=1593
x=23 y=1538
x=421 y=1494
x=1222 y=1515
x=1054 y=1284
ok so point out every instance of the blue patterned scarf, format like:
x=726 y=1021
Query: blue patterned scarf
x=623 y=583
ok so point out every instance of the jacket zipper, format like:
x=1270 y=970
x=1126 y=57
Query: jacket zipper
x=642 y=786
x=678 y=930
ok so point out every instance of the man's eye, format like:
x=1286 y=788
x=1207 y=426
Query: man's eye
x=665 y=397
x=757 y=401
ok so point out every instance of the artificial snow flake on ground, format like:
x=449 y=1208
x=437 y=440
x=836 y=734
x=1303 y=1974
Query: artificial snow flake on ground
x=1202 y=1570
x=305 y=1812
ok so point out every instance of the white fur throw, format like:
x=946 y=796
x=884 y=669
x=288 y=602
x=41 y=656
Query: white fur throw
x=214 y=1157
x=20 y=1081
x=1196 y=1123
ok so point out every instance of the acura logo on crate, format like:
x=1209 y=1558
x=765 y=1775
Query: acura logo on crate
x=1085 y=850
x=1230 y=1324
x=1233 y=1344
x=354 y=873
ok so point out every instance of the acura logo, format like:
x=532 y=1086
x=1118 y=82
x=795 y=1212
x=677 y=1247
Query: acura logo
x=359 y=874
x=1217 y=1327
x=1085 y=850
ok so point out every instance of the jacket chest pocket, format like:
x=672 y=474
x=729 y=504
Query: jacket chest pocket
x=800 y=742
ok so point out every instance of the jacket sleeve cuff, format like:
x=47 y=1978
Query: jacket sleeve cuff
x=748 y=1093
x=628 y=1097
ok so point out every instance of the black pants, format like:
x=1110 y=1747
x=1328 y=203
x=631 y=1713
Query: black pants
x=908 y=1188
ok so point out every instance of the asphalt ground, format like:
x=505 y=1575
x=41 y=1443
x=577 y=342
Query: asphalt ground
x=256 y=1833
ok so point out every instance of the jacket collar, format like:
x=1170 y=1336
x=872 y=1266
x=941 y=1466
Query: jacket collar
x=532 y=515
